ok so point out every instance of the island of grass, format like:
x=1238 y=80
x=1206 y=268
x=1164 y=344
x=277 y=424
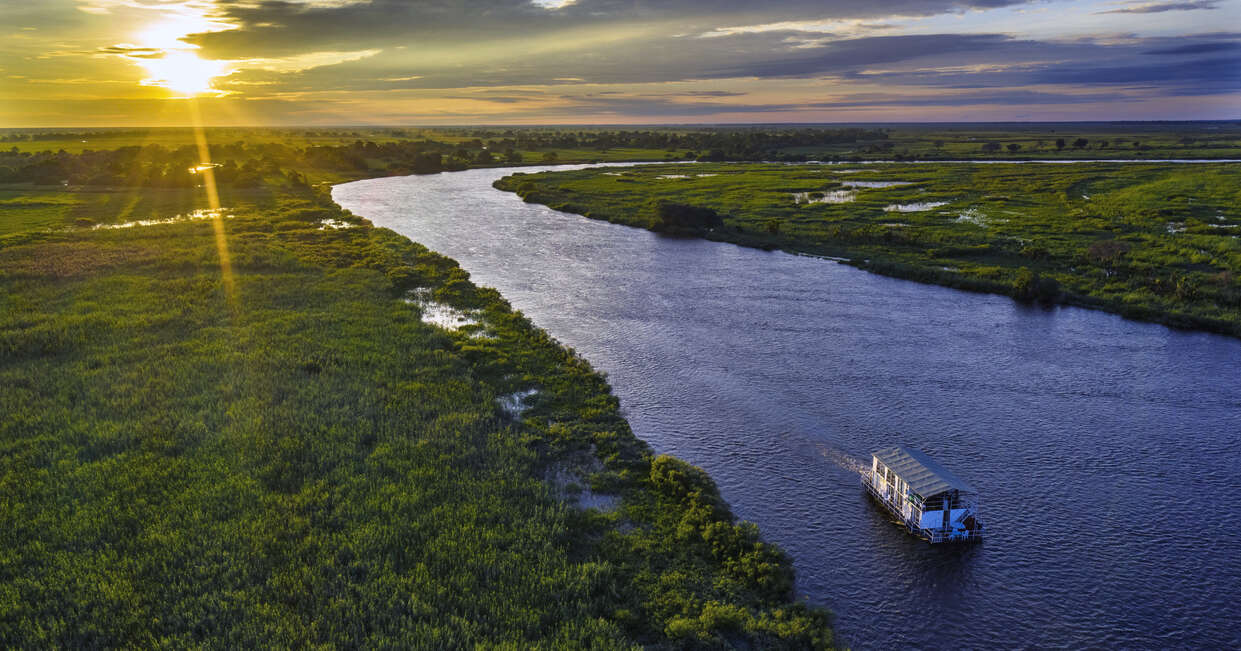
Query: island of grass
x=1151 y=241
x=347 y=445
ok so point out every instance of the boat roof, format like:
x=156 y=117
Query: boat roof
x=923 y=475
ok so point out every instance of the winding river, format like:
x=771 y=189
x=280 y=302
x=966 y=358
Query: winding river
x=1107 y=452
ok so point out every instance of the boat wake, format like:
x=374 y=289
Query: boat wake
x=844 y=460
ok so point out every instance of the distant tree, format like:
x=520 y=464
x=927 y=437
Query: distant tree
x=1107 y=252
x=550 y=156
x=990 y=147
x=484 y=157
x=512 y=156
x=1059 y=144
x=1013 y=147
x=1080 y=143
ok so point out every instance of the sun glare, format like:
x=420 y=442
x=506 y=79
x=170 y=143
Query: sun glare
x=179 y=68
x=183 y=72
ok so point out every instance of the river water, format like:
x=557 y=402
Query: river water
x=1107 y=452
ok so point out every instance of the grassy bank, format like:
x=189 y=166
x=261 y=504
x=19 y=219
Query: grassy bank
x=307 y=461
x=1156 y=242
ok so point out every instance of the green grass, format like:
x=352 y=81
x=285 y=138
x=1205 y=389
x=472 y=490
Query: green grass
x=308 y=463
x=1152 y=241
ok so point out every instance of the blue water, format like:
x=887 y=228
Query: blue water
x=1107 y=452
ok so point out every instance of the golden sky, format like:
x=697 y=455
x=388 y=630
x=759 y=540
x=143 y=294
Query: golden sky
x=346 y=62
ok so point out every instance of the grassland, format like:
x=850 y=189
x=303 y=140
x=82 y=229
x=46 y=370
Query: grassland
x=1157 y=242
x=307 y=461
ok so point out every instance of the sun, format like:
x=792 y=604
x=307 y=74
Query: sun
x=171 y=62
x=183 y=72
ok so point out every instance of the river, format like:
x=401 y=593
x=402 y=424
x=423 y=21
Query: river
x=1107 y=452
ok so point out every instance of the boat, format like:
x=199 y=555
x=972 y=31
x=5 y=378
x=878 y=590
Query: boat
x=927 y=499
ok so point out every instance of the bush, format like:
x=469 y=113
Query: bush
x=1030 y=286
x=672 y=217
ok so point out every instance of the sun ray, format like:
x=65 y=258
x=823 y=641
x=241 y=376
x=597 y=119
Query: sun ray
x=213 y=202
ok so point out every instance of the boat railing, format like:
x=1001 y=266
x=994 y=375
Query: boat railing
x=935 y=535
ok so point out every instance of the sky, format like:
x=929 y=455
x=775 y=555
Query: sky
x=437 y=62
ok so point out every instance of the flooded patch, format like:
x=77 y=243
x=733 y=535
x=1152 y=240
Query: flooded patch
x=1176 y=227
x=515 y=403
x=325 y=224
x=673 y=176
x=440 y=314
x=571 y=486
x=973 y=216
x=190 y=216
x=914 y=207
x=828 y=196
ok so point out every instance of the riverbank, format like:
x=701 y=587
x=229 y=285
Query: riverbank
x=334 y=439
x=1152 y=242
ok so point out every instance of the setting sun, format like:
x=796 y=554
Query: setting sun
x=179 y=68
x=183 y=72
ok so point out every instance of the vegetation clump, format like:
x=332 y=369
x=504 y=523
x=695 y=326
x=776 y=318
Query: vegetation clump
x=673 y=217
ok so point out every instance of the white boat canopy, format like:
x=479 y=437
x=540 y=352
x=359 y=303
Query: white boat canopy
x=924 y=476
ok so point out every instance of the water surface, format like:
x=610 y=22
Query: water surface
x=1106 y=451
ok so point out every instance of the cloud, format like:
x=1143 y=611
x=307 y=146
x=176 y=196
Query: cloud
x=277 y=27
x=1196 y=48
x=131 y=51
x=404 y=60
x=1160 y=7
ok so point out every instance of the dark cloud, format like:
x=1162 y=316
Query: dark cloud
x=1088 y=65
x=1160 y=7
x=664 y=107
x=999 y=97
x=132 y=51
x=987 y=63
x=839 y=56
x=1205 y=76
x=507 y=45
x=281 y=28
x=1196 y=48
